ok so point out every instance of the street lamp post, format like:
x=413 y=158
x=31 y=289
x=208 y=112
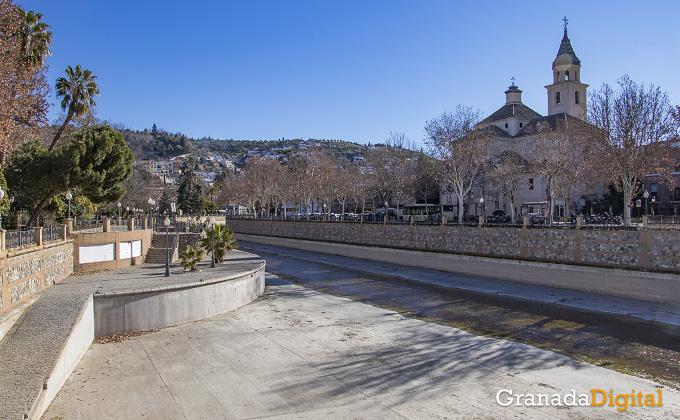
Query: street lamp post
x=212 y=223
x=11 y=201
x=69 y=196
x=150 y=201
x=166 y=222
x=119 y=206
x=2 y=195
x=646 y=196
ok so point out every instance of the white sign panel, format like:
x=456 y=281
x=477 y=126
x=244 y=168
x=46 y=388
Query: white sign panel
x=96 y=253
x=137 y=248
x=125 y=250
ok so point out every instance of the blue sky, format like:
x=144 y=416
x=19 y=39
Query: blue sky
x=348 y=70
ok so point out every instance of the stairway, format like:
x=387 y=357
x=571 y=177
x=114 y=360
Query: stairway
x=157 y=254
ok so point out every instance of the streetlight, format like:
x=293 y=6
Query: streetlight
x=481 y=203
x=2 y=195
x=127 y=210
x=69 y=196
x=166 y=222
x=646 y=196
x=212 y=225
x=119 y=206
x=150 y=201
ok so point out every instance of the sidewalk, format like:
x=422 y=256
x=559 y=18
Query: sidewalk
x=666 y=314
x=299 y=354
x=29 y=350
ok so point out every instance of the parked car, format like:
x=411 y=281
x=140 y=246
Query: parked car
x=536 y=219
x=499 y=216
x=351 y=217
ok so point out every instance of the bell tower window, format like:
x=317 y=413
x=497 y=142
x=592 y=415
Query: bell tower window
x=557 y=98
x=566 y=75
x=576 y=97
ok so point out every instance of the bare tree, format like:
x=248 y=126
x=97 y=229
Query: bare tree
x=379 y=176
x=424 y=182
x=508 y=171
x=461 y=147
x=557 y=153
x=636 y=123
x=141 y=186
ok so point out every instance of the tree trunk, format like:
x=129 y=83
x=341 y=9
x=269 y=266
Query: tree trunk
x=459 y=195
x=38 y=209
x=627 y=194
x=61 y=129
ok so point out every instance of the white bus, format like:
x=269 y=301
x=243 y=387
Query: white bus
x=428 y=212
x=236 y=210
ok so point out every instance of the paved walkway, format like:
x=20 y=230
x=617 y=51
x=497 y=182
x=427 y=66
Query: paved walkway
x=661 y=313
x=29 y=350
x=297 y=353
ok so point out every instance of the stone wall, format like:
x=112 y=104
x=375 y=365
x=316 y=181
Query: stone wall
x=26 y=271
x=647 y=249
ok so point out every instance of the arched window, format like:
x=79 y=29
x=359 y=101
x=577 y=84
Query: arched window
x=506 y=125
x=520 y=125
x=566 y=75
x=576 y=97
x=557 y=98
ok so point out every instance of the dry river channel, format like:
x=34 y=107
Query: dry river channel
x=618 y=342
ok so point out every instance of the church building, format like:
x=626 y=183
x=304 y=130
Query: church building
x=515 y=126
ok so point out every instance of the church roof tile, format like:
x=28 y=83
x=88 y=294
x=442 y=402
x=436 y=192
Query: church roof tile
x=520 y=111
x=566 y=53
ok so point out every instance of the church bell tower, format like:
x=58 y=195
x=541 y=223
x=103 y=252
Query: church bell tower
x=567 y=93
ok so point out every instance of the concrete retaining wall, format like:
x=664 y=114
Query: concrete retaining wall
x=642 y=249
x=76 y=345
x=653 y=287
x=133 y=311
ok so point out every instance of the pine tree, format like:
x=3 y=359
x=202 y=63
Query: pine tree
x=164 y=203
x=154 y=129
x=189 y=190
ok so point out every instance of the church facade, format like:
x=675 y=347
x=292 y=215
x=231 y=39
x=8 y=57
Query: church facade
x=515 y=127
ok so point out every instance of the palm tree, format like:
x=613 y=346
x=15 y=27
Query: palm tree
x=78 y=90
x=191 y=257
x=35 y=38
x=224 y=241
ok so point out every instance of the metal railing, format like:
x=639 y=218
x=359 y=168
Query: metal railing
x=19 y=238
x=88 y=226
x=119 y=225
x=52 y=234
x=138 y=224
x=663 y=220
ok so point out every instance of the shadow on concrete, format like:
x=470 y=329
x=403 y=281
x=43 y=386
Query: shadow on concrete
x=420 y=357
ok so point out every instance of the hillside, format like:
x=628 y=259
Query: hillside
x=163 y=145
